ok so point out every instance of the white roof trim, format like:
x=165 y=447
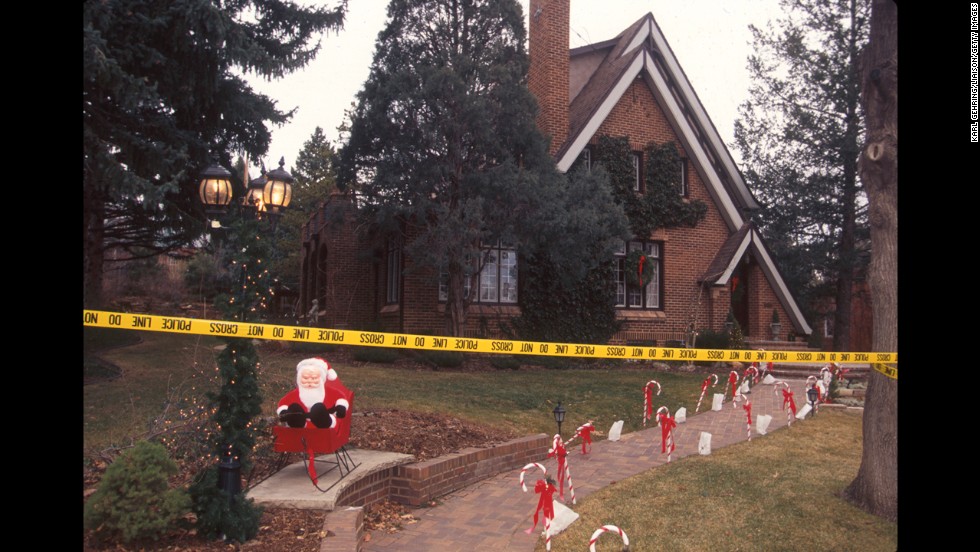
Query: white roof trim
x=733 y=264
x=702 y=116
x=729 y=209
x=785 y=297
x=638 y=39
x=592 y=126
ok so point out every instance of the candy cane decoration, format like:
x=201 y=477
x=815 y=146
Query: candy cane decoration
x=648 y=400
x=733 y=380
x=546 y=505
x=704 y=387
x=571 y=486
x=826 y=375
x=585 y=432
x=560 y=454
x=787 y=399
x=609 y=529
x=527 y=467
x=753 y=372
x=748 y=412
x=667 y=425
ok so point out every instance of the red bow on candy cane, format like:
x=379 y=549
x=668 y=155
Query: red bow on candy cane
x=788 y=399
x=585 y=431
x=748 y=411
x=559 y=452
x=546 y=504
x=733 y=379
x=667 y=424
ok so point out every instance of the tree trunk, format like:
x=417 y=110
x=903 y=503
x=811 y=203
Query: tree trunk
x=875 y=489
x=93 y=250
x=456 y=302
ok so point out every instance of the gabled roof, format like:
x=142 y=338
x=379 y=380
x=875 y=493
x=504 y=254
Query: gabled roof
x=641 y=51
x=723 y=266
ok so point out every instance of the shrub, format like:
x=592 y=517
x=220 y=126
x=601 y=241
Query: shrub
x=381 y=355
x=443 y=359
x=314 y=349
x=134 y=501
x=221 y=515
x=709 y=339
x=505 y=362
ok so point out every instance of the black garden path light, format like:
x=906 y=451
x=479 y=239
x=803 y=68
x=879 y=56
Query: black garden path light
x=559 y=413
x=812 y=395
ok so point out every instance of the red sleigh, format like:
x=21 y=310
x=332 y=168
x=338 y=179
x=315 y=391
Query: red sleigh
x=313 y=441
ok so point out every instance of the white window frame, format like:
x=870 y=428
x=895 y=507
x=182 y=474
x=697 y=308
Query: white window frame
x=393 y=273
x=683 y=183
x=629 y=297
x=497 y=282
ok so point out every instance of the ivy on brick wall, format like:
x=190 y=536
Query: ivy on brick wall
x=552 y=310
x=661 y=204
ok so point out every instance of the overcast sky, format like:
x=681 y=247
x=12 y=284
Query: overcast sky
x=709 y=37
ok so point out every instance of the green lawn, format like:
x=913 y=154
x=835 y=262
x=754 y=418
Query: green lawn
x=778 y=492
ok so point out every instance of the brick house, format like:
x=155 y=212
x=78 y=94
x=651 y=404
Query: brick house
x=630 y=85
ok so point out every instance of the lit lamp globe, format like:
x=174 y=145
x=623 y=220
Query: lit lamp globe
x=215 y=191
x=278 y=190
x=253 y=198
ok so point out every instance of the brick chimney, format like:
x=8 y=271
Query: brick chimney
x=548 y=73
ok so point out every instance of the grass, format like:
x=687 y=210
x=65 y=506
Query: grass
x=166 y=374
x=777 y=492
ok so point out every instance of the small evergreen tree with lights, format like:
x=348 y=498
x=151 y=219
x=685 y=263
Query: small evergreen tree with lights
x=238 y=402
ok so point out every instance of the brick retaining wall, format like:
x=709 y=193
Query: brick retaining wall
x=418 y=483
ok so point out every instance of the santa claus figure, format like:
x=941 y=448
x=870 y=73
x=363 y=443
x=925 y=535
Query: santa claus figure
x=314 y=402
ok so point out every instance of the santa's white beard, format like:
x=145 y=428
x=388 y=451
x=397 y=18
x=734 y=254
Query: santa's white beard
x=312 y=396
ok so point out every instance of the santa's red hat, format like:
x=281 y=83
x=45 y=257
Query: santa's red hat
x=326 y=372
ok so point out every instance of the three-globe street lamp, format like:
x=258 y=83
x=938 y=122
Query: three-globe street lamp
x=266 y=197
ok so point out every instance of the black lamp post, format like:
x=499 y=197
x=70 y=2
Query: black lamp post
x=559 y=413
x=811 y=395
x=267 y=194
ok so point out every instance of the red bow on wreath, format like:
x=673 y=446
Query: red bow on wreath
x=639 y=270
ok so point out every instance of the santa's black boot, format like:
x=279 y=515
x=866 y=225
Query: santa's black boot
x=294 y=416
x=320 y=417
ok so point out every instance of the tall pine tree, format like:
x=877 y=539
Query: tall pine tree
x=799 y=136
x=443 y=146
x=163 y=97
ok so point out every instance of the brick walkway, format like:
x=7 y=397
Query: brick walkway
x=493 y=514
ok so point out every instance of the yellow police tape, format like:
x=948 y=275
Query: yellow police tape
x=890 y=371
x=277 y=332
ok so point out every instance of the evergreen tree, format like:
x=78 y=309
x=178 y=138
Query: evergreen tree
x=163 y=98
x=443 y=145
x=798 y=135
x=313 y=181
x=238 y=401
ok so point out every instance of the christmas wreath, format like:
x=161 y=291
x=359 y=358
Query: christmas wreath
x=639 y=269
